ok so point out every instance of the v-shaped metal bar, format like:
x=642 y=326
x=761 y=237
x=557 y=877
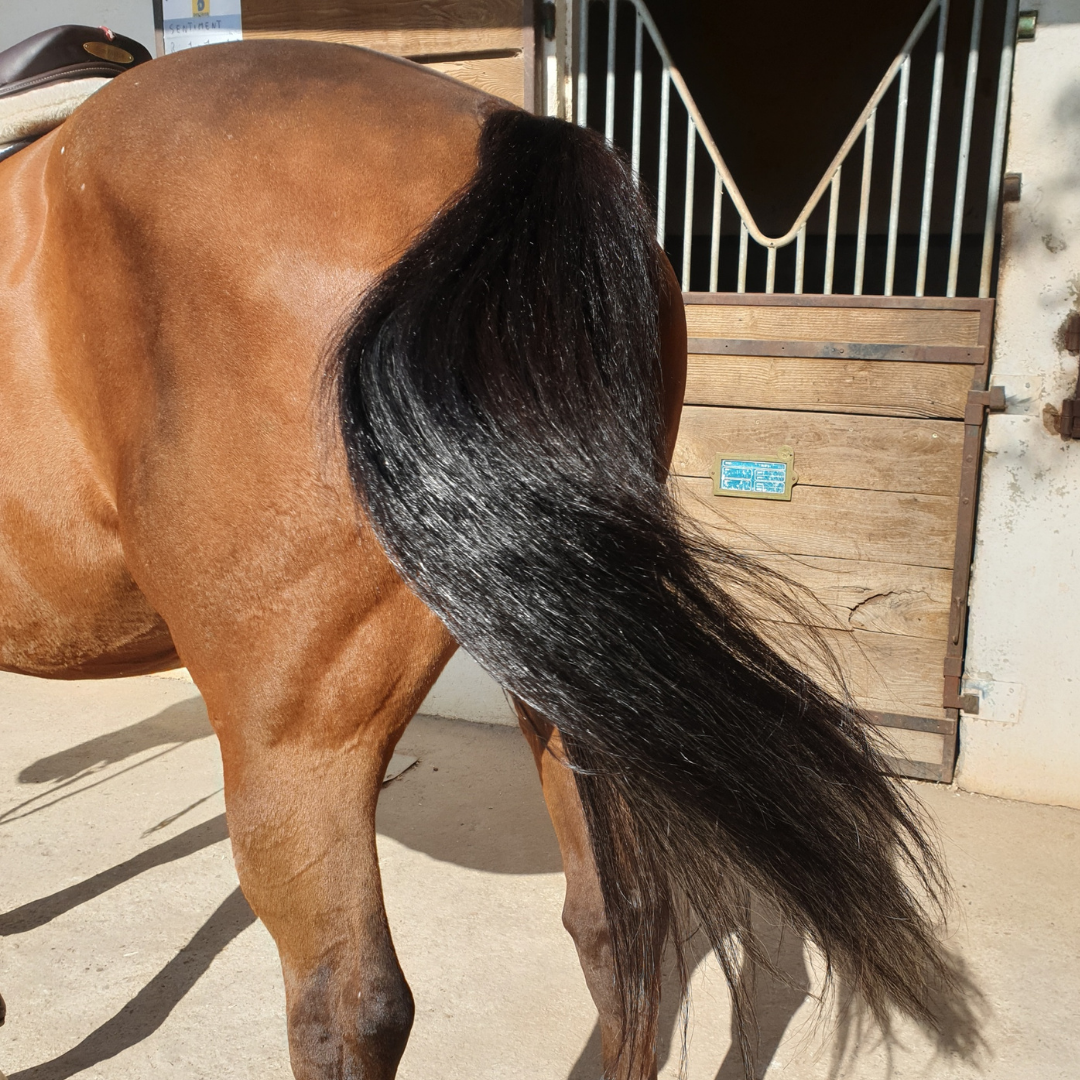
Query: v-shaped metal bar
x=721 y=166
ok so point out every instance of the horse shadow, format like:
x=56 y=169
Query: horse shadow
x=776 y=998
x=184 y=722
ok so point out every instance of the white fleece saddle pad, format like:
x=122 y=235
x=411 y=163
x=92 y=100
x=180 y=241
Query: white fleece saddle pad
x=34 y=112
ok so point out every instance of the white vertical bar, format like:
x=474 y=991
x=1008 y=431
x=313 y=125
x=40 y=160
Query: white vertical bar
x=635 y=155
x=714 y=246
x=800 y=257
x=661 y=186
x=897 y=173
x=688 y=202
x=931 y=148
x=609 y=98
x=864 y=200
x=744 y=236
x=997 y=153
x=965 y=148
x=566 y=32
x=770 y=270
x=830 y=243
x=583 y=64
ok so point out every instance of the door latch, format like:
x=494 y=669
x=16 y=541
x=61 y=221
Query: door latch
x=992 y=400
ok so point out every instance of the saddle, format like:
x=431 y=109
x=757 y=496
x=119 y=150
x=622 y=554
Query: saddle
x=45 y=78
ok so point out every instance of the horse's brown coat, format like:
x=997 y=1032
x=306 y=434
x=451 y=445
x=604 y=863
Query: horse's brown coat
x=175 y=259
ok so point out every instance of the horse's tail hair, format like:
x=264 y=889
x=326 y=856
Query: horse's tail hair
x=499 y=392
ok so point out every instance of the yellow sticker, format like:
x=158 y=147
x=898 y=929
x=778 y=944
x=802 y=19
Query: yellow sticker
x=108 y=52
x=200 y=8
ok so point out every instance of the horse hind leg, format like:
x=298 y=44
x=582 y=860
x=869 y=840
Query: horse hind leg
x=306 y=734
x=584 y=915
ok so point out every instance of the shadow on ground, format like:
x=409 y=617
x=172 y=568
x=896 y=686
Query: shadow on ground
x=150 y=1007
x=183 y=722
x=473 y=799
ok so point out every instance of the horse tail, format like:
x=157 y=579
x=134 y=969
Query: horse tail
x=499 y=397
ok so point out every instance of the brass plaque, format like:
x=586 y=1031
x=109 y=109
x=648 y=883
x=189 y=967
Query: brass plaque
x=113 y=53
x=755 y=476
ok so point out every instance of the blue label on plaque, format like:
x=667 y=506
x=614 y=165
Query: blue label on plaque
x=759 y=477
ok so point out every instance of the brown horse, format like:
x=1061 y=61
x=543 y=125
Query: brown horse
x=246 y=286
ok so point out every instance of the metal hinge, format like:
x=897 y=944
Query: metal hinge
x=992 y=400
x=954 y=670
x=1069 y=425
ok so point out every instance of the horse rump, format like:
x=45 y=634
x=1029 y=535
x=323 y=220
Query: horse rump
x=499 y=396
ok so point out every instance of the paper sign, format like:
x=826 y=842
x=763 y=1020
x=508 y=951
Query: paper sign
x=189 y=23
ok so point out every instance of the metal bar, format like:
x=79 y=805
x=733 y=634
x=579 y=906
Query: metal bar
x=830 y=243
x=566 y=75
x=743 y=237
x=864 y=201
x=909 y=723
x=635 y=153
x=890 y=303
x=714 y=245
x=841 y=154
x=800 y=257
x=661 y=185
x=997 y=152
x=688 y=201
x=582 y=114
x=770 y=271
x=965 y=148
x=609 y=98
x=897 y=173
x=931 y=149
x=974 y=355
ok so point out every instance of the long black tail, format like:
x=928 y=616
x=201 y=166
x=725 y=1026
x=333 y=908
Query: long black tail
x=499 y=394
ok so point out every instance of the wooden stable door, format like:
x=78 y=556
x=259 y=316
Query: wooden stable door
x=487 y=43
x=881 y=401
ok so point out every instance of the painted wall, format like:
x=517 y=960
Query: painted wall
x=21 y=18
x=1023 y=653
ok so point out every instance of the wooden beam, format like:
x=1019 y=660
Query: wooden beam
x=874 y=452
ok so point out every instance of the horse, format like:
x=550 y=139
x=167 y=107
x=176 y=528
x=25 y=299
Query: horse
x=315 y=366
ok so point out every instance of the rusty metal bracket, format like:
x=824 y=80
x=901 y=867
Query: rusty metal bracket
x=1069 y=425
x=992 y=400
x=954 y=670
x=979 y=403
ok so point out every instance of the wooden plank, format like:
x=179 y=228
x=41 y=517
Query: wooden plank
x=273 y=15
x=412 y=44
x=854 y=386
x=914 y=746
x=883 y=672
x=839 y=523
x=876 y=452
x=502 y=76
x=840 y=350
x=846 y=324
x=886 y=598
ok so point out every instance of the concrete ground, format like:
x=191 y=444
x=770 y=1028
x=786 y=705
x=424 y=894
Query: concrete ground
x=127 y=950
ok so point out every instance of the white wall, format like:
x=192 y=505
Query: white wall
x=21 y=18
x=1023 y=653
x=466 y=692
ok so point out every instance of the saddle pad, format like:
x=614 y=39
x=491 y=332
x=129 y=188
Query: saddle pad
x=34 y=112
